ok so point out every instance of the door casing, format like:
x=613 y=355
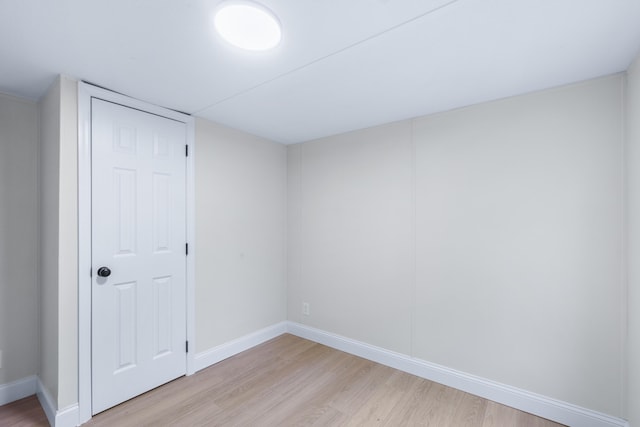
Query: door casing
x=85 y=93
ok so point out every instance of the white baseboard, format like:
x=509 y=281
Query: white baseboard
x=67 y=417
x=46 y=401
x=231 y=348
x=17 y=390
x=552 y=409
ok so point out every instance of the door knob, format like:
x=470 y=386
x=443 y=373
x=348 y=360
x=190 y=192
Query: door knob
x=104 y=272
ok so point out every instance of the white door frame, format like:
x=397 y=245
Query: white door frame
x=85 y=93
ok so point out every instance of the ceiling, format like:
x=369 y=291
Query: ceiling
x=342 y=64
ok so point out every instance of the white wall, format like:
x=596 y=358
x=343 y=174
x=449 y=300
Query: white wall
x=49 y=214
x=487 y=239
x=633 y=218
x=59 y=242
x=350 y=235
x=519 y=242
x=240 y=234
x=68 y=245
x=18 y=238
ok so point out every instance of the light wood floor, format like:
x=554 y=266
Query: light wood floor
x=25 y=412
x=290 y=381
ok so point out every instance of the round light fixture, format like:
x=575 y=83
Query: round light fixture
x=247 y=25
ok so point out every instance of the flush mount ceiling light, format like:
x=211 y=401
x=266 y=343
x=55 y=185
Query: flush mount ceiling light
x=247 y=25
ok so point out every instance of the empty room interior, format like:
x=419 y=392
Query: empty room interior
x=372 y=205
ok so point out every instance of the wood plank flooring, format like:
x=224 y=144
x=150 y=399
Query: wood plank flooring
x=25 y=412
x=290 y=381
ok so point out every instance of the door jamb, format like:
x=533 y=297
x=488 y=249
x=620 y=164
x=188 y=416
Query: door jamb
x=85 y=93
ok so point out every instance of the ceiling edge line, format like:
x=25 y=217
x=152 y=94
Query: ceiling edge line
x=322 y=58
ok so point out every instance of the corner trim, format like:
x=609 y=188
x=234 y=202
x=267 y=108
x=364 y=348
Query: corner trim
x=16 y=390
x=47 y=403
x=216 y=354
x=542 y=406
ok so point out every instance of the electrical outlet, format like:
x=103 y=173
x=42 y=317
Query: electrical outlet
x=305 y=308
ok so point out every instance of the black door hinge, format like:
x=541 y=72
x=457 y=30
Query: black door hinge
x=186 y=346
x=186 y=150
x=186 y=249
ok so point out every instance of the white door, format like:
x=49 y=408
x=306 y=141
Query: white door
x=138 y=329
